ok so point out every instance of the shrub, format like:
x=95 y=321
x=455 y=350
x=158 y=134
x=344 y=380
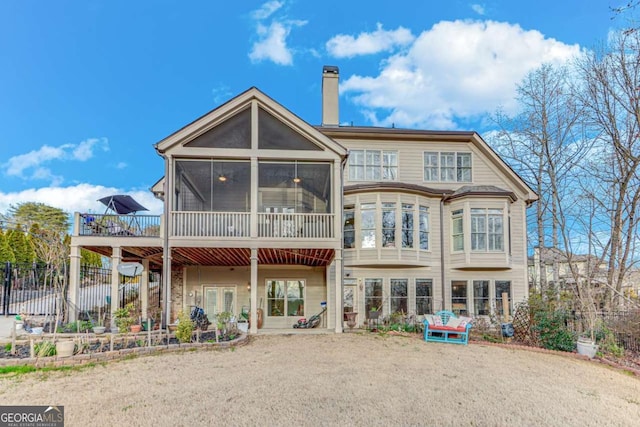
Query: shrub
x=553 y=332
x=184 y=330
x=44 y=349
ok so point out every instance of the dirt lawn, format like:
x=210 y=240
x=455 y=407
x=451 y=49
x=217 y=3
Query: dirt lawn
x=346 y=379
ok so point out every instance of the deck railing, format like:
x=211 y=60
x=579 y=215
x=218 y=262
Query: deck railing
x=238 y=224
x=119 y=225
x=295 y=225
x=210 y=224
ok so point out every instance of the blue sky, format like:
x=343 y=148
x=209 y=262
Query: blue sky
x=87 y=87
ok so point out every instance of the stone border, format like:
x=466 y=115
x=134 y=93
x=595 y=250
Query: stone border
x=109 y=356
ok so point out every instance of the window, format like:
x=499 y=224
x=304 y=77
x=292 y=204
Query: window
x=407 y=225
x=424 y=296
x=457 y=230
x=481 y=298
x=459 y=297
x=502 y=286
x=399 y=296
x=487 y=230
x=424 y=227
x=463 y=167
x=388 y=225
x=368 y=225
x=372 y=294
x=373 y=165
x=431 y=166
x=285 y=296
x=349 y=229
x=447 y=166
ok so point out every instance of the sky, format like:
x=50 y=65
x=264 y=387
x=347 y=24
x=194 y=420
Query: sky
x=88 y=87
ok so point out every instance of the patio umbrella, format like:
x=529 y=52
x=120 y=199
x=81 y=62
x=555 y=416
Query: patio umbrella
x=122 y=204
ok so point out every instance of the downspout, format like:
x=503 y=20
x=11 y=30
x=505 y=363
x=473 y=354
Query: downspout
x=166 y=251
x=342 y=164
x=442 y=276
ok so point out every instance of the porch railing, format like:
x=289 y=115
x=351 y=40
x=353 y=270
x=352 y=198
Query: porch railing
x=295 y=225
x=119 y=225
x=211 y=224
x=238 y=224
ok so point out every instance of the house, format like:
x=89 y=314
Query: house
x=268 y=214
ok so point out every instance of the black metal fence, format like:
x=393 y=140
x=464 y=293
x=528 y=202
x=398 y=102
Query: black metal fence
x=42 y=290
x=32 y=289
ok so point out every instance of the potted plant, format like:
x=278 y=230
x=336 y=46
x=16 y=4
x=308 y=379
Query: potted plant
x=125 y=318
x=99 y=327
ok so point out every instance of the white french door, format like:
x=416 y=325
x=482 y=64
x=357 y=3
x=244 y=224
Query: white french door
x=218 y=299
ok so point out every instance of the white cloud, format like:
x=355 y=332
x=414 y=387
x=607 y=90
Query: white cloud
x=33 y=160
x=78 y=198
x=272 y=37
x=266 y=10
x=272 y=45
x=455 y=71
x=121 y=165
x=84 y=150
x=478 y=8
x=346 y=46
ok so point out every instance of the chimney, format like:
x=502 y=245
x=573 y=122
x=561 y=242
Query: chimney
x=330 y=79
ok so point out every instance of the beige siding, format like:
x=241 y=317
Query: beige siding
x=238 y=278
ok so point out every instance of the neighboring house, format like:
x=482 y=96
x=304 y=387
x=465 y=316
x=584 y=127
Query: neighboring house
x=559 y=276
x=265 y=211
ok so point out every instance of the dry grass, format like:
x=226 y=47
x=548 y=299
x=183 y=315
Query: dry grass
x=347 y=379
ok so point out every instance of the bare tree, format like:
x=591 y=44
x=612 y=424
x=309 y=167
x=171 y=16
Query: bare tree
x=611 y=76
x=545 y=142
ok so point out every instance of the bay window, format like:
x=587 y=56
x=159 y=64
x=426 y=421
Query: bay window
x=457 y=230
x=407 y=225
x=368 y=225
x=388 y=225
x=424 y=227
x=487 y=230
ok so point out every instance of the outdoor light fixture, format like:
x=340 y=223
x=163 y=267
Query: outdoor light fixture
x=296 y=178
x=222 y=178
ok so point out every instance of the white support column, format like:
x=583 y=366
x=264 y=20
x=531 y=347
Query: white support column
x=339 y=294
x=254 y=291
x=116 y=254
x=144 y=289
x=74 y=282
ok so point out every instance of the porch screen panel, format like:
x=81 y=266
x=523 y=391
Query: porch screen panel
x=273 y=134
x=234 y=132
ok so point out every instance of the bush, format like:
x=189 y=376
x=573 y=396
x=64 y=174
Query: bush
x=184 y=331
x=553 y=332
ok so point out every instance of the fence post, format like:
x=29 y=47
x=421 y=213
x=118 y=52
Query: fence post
x=7 y=287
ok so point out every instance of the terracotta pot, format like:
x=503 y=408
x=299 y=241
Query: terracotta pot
x=135 y=328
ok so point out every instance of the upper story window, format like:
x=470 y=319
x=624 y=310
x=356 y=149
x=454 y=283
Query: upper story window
x=388 y=225
x=487 y=230
x=349 y=228
x=447 y=166
x=457 y=230
x=368 y=225
x=373 y=165
x=385 y=224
